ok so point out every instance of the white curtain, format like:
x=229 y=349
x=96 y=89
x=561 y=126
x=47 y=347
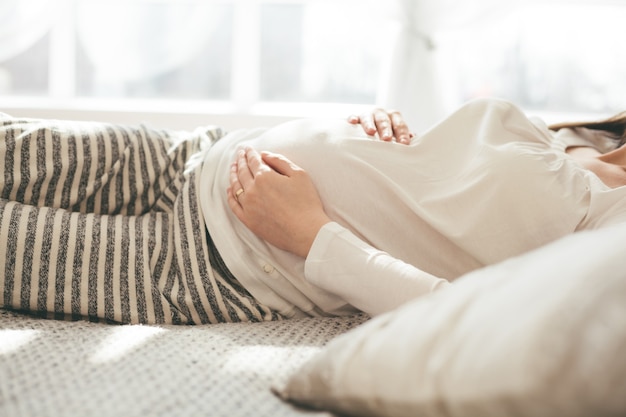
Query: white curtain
x=128 y=41
x=22 y=24
x=125 y=40
x=411 y=81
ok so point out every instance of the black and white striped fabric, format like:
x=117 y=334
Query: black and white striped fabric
x=102 y=222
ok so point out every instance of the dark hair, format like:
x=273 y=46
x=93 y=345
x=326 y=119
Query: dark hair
x=614 y=127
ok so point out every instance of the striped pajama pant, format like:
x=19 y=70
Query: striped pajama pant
x=102 y=222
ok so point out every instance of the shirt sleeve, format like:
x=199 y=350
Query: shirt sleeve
x=369 y=279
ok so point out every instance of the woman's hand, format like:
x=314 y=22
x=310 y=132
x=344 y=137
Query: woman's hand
x=389 y=125
x=276 y=200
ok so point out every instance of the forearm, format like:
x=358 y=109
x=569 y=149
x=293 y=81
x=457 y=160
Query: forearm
x=369 y=279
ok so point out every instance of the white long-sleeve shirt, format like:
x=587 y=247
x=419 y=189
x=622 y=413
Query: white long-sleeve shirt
x=481 y=186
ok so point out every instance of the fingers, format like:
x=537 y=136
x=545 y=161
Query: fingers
x=367 y=122
x=250 y=161
x=280 y=163
x=248 y=165
x=354 y=119
x=383 y=125
x=388 y=124
x=233 y=190
x=241 y=176
x=400 y=129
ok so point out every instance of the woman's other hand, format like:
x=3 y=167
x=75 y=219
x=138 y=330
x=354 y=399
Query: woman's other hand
x=276 y=200
x=389 y=125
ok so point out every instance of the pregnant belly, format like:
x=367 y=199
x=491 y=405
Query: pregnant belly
x=371 y=187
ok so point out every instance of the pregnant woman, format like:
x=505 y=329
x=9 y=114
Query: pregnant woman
x=312 y=217
x=367 y=224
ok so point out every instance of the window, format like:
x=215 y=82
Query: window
x=234 y=53
x=561 y=56
x=283 y=56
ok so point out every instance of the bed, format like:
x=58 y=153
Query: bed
x=60 y=368
x=542 y=334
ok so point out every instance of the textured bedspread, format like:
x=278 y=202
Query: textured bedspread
x=56 y=368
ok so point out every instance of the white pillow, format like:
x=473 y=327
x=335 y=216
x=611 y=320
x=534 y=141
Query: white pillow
x=543 y=334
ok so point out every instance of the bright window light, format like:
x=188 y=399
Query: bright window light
x=12 y=340
x=242 y=52
x=281 y=55
x=550 y=56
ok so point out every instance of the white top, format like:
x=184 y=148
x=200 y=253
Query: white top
x=483 y=185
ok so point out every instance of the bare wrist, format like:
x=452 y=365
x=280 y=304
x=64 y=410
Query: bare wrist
x=308 y=237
